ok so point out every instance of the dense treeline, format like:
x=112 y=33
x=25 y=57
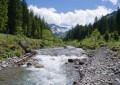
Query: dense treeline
x=15 y=18
x=108 y=26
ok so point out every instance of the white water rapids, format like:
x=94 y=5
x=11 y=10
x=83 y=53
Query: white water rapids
x=55 y=71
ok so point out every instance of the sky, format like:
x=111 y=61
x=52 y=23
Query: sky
x=72 y=12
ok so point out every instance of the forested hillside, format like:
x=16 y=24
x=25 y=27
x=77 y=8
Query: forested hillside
x=15 y=18
x=17 y=23
x=106 y=29
x=109 y=24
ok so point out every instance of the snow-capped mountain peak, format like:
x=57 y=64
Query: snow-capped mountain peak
x=60 y=31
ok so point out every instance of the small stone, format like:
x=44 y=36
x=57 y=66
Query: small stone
x=81 y=63
x=76 y=67
x=29 y=64
x=66 y=62
x=70 y=60
x=39 y=66
x=74 y=83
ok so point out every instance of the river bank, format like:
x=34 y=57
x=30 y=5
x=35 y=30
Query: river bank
x=74 y=65
x=102 y=68
x=15 y=61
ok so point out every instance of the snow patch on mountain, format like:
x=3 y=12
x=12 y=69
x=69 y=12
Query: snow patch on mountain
x=60 y=31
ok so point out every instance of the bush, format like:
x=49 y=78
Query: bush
x=106 y=36
x=116 y=36
x=18 y=53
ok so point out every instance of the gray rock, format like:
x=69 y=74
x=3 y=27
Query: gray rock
x=24 y=45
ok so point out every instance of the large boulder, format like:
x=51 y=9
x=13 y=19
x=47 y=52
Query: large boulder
x=24 y=45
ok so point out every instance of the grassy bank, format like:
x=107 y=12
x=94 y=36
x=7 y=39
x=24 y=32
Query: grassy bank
x=9 y=44
x=92 y=42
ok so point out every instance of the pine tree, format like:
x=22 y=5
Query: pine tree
x=14 y=16
x=3 y=14
x=30 y=21
x=118 y=20
x=25 y=17
x=112 y=24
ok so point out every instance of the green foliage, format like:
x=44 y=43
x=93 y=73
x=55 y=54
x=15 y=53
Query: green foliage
x=78 y=33
x=106 y=36
x=118 y=20
x=18 y=53
x=3 y=14
x=116 y=36
x=14 y=23
x=25 y=18
x=21 y=21
x=9 y=44
x=105 y=30
x=16 y=19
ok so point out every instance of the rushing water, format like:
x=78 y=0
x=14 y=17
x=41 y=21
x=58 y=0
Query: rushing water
x=54 y=72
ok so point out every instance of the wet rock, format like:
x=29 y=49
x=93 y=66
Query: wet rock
x=38 y=66
x=76 y=62
x=75 y=83
x=81 y=63
x=20 y=63
x=66 y=62
x=29 y=64
x=76 y=67
x=4 y=66
x=52 y=59
x=70 y=60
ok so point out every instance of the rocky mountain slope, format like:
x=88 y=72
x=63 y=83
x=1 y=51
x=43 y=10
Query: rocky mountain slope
x=59 y=31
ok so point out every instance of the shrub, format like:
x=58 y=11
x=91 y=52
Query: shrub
x=116 y=36
x=106 y=36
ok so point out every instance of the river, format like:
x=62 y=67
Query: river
x=55 y=69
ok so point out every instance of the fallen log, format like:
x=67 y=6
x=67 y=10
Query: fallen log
x=25 y=58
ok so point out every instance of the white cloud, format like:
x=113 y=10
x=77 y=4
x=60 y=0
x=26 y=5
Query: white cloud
x=114 y=2
x=81 y=17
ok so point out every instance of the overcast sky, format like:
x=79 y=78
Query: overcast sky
x=72 y=12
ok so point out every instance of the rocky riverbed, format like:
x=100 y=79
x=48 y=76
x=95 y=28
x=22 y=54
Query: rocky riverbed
x=67 y=66
x=103 y=68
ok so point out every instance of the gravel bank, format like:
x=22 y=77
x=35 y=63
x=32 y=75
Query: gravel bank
x=102 y=68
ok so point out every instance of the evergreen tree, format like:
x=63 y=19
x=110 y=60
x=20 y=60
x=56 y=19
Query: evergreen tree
x=112 y=24
x=14 y=16
x=25 y=17
x=3 y=14
x=118 y=20
x=30 y=21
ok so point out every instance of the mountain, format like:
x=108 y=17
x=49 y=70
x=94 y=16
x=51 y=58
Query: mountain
x=60 y=31
x=114 y=13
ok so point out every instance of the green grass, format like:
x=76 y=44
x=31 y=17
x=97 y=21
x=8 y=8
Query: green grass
x=9 y=44
x=94 y=41
x=91 y=43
